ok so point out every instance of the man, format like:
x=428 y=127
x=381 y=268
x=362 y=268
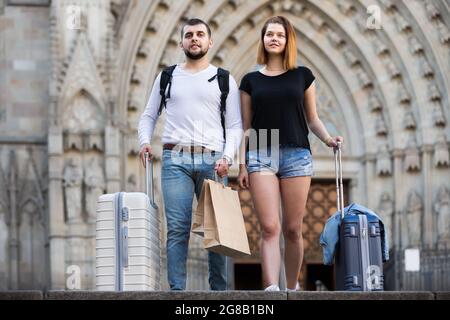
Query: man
x=195 y=144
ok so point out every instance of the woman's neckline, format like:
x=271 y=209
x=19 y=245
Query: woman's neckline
x=274 y=76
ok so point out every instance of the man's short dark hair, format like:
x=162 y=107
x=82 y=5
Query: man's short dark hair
x=194 y=22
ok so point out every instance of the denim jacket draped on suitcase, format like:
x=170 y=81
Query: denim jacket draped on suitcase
x=330 y=235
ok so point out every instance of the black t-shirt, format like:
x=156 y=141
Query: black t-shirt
x=278 y=103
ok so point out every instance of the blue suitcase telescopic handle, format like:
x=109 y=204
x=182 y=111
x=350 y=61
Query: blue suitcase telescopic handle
x=339 y=185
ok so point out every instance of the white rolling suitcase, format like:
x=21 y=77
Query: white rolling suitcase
x=127 y=240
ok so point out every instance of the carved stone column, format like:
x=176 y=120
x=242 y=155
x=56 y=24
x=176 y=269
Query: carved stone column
x=113 y=159
x=57 y=227
x=370 y=177
x=13 y=243
x=396 y=228
x=427 y=155
x=398 y=186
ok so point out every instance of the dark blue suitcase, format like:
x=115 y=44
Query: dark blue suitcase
x=358 y=264
x=358 y=257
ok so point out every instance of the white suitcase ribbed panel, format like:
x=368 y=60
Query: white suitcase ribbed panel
x=143 y=243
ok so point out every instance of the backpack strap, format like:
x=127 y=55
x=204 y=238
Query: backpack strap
x=166 y=80
x=223 y=77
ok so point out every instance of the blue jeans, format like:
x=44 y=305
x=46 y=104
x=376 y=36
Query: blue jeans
x=285 y=162
x=182 y=175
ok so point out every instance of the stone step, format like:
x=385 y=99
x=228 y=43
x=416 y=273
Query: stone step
x=224 y=295
x=21 y=295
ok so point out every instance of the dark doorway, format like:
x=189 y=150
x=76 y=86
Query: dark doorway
x=247 y=276
x=320 y=277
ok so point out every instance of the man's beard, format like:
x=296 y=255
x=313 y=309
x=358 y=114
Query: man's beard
x=195 y=56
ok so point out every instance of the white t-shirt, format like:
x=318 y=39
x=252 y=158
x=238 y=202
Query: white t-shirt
x=193 y=112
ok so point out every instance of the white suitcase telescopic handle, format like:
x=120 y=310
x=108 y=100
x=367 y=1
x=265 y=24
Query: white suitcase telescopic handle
x=339 y=185
x=149 y=188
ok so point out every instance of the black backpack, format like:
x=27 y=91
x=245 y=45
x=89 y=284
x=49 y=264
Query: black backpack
x=223 y=77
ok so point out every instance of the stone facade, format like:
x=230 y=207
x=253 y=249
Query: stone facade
x=75 y=76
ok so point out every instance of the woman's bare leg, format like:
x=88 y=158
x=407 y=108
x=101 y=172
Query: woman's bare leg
x=265 y=191
x=294 y=193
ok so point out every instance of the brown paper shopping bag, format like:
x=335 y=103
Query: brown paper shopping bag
x=223 y=222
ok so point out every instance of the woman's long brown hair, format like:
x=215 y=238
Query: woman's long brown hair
x=290 y=51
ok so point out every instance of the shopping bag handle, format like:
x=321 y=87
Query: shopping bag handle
x=219 y=179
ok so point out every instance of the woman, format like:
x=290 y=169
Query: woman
x=281 y=99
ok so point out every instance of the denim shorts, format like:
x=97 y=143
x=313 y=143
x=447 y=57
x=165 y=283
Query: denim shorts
x=285 y=162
